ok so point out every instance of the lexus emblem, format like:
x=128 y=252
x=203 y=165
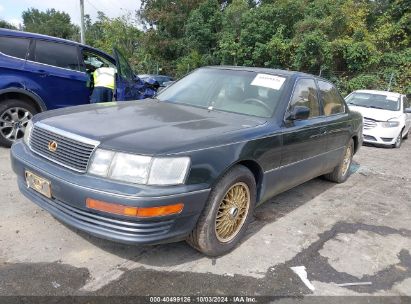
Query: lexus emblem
x=52 y=146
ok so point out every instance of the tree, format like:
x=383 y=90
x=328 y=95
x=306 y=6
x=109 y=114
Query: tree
x=50 y=22
x=7 y=25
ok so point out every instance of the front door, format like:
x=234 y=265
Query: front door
x=128 y=85
x=304 y=141
x=407 y=108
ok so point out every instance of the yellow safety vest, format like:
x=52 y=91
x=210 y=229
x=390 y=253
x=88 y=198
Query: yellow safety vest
x=104 y=77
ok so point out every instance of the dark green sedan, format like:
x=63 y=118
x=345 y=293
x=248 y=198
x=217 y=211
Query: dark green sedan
x=191 y=164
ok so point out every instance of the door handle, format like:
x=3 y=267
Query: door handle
x=323 y=133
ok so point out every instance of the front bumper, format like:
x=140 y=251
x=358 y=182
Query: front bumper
x=70 y=191
x=381 y=136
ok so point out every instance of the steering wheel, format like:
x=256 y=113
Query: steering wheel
x=258 y=102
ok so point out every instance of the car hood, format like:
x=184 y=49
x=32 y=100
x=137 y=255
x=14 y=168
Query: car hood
x=150 y=127
x=376 y=114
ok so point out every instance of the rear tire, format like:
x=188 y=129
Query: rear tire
x=227 y=213
x=342 y=171
x=14 y=116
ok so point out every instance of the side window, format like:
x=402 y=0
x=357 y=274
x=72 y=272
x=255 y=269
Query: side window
x=125 y=70
x=407 y=103
x=94 y=61
x=16 y=47
x=305 y=94
x=332 y=101
x=57 y=54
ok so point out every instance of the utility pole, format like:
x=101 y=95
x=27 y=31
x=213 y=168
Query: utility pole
x=389 y=85
x=82 y=37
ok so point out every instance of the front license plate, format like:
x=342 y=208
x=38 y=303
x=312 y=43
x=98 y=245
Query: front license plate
x=39 y=184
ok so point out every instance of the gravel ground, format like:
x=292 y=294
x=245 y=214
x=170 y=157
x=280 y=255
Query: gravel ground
x=358 y=231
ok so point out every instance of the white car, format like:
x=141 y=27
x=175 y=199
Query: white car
x=387 y=116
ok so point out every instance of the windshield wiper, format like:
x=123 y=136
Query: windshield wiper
x=356 y=104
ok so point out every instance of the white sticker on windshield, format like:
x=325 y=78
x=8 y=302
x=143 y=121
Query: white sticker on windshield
x=268 y=81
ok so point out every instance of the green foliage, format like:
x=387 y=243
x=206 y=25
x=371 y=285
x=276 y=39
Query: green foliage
x=7 y=25
x=120 y=33
x=50 y=22
x=355 y=43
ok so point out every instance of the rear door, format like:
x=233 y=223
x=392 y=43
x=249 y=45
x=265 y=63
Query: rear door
x=55 y=67
x=339 y=122
x=128 y=86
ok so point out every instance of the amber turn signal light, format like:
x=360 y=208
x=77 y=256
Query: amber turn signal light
x=134 y=211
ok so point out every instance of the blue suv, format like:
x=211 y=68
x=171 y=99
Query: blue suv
x=41 y=73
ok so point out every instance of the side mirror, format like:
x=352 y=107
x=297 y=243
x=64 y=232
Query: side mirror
x=299 y=113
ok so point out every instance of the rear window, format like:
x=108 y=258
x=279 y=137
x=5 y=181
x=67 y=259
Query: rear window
x=57 y=54
x=16 y=47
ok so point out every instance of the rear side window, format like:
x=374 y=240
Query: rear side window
x=16 y=47
x=332 y=101
x=305 y=95
x=57 y=54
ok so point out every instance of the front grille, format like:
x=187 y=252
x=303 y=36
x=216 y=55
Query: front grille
x=369 y=123
x=387 y=139
x=70 y=153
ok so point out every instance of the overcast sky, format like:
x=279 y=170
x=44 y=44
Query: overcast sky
x=10 y=10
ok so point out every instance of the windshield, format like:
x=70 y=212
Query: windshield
x=233 y=91
x=377 y=101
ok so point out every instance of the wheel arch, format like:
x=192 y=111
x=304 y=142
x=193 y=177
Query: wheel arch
x=257 y=171
x=356 y=143
x=25 y=95
x=254 y=168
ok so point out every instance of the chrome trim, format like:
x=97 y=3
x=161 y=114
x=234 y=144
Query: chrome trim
x=13 y=57
x=301 y=160
x=67 y=134
x=54 y=66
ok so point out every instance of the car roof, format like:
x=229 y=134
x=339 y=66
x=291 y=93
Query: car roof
x=21 y=34
x=386 y=93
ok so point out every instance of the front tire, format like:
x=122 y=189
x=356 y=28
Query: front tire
x=398 y=141
x=226 y=216
x=14 y=116
x=342 y=171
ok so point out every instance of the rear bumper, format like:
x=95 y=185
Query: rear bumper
x=69 y=196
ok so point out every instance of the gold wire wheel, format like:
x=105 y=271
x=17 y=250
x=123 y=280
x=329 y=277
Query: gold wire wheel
x=347 y=160
x=232 y=212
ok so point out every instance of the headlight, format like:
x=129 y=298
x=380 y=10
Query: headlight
x=390 y=124
x=27 y=132
x=139 y=169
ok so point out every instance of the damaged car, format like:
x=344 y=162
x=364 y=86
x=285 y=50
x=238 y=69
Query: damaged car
x=40 y=73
